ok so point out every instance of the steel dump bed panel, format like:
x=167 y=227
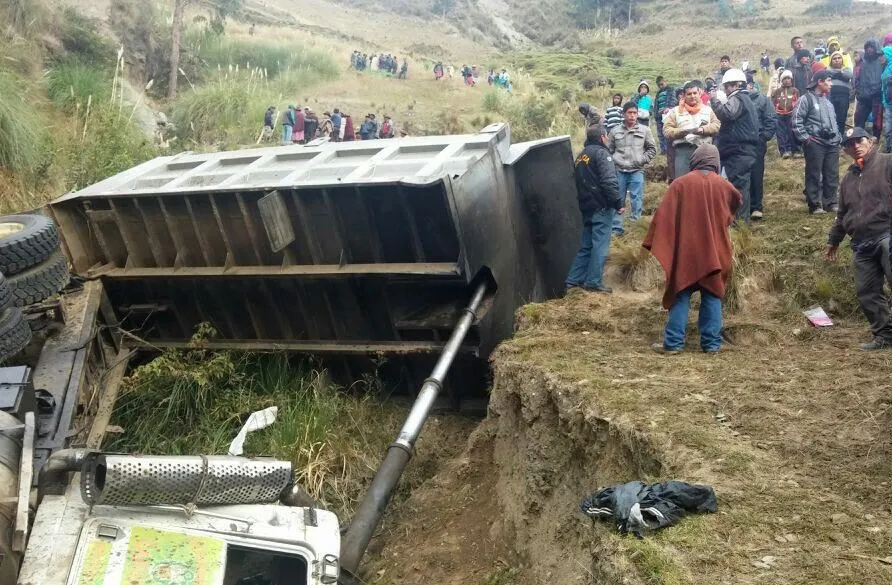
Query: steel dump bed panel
x=363 y=244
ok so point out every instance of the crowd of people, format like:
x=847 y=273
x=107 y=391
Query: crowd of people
x=384 y=63
x=301 y=125
x=715 y=137
x=470 y=74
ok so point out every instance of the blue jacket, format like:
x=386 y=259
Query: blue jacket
x=886 y=77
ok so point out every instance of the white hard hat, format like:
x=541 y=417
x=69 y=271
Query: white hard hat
x=733 y=76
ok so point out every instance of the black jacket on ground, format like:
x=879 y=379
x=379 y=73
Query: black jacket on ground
x=596 y=184
x=766 y=116
x=865 y=201
x=636 y=506
x=739 y=133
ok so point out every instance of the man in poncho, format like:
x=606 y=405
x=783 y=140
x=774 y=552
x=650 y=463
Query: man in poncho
x=690 y=237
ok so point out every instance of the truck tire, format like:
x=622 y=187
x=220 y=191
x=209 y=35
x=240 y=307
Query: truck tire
x=26 y=240
x=5 y=293
x=15 y=333
x=40 y=282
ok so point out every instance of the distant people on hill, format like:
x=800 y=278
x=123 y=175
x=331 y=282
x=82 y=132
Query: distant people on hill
x=765 y=62
x=269 y=122
x=438 y=71
x=300 y=119
x=288 y=121
x=450 y=71
x=467 y=75
x=404 y=70
x=349 y=132
x=387 y=128
x=503 y=80
x=368 y=130
x=643 y=102
x=785 y=99
x=336 y=125
x=311 y=124
x=325 y=126
x=868 y=88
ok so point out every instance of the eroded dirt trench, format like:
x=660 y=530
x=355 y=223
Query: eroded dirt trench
x=795 y=448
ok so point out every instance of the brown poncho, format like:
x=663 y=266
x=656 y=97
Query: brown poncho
x=689 y=233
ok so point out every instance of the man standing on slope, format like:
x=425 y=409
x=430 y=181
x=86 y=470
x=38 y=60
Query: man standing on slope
x=767 y=128
x=689 y=125
x=665 y=101
x=814 y=124
x=865 y=214
x=633 y=148
x=689 y=237
x=599 y=200
x=738 y=138
x=868 y=88
x=797 y=44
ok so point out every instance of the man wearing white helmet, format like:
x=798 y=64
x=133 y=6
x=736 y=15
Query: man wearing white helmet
x=738 y=139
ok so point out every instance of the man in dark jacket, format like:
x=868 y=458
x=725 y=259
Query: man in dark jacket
x=336 y=120
x=597 y=191
x=767 y=128
x=738 y=139
x=865 y=213
x=311 y=124
x=802 y=71
x=797 y=44
x=664 y=102
x=815 y=127
x=868 y=87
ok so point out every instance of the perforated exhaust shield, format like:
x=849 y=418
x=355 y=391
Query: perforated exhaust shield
x=127 y=480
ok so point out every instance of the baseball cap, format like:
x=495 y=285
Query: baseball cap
x=853 y=134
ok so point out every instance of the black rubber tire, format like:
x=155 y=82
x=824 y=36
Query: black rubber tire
x=5 y=293
x=40 y=282
x=31 y=245
x=15 y=333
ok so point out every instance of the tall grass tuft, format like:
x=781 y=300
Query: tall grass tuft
x=194 y=401
x=70 y=84
x=22 y=134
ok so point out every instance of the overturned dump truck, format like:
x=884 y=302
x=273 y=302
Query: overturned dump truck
x=352 y=250
x=408 y=255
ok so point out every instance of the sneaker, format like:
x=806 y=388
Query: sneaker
x=798 y=155
x=878 y=343
x=659 y=348
x=712 y=351
x=785 y=155
x=756 y=215
x=818 y=211
x=831 y=209
x=599 y=289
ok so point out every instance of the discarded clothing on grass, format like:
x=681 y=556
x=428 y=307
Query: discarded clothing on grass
x=637 y=506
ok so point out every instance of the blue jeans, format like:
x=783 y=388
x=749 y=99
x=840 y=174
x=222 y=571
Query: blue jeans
x=287 y=132
x=633 y=182
x=709 y=323
x=588 y=267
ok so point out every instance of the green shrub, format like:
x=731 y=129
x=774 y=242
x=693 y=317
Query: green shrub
x=71 y=84
x=492 y=101
x=22 y=134
x=81 y=38
x=111 y=144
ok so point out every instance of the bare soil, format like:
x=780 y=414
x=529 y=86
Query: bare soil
x=790 y=425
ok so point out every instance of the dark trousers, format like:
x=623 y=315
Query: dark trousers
x=664 y=142
x=864 y=107
x=737 y=167
x=821 y=174
x=872 y=268
x=786 y=141
x=841 y=107
x=757 y=178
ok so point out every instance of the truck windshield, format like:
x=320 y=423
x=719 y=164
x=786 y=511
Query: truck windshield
x=245 y=566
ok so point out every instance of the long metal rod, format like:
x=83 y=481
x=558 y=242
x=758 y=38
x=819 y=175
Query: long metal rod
x=372 y=508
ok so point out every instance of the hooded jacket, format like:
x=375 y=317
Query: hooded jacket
x=596 y=184
x=886 y=77
x=868 y=83
x=864 y=207
x=814 y=118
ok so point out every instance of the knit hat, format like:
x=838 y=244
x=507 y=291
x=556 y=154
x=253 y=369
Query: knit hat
x=786 y=74
x=645 y=84
x=802 y=53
